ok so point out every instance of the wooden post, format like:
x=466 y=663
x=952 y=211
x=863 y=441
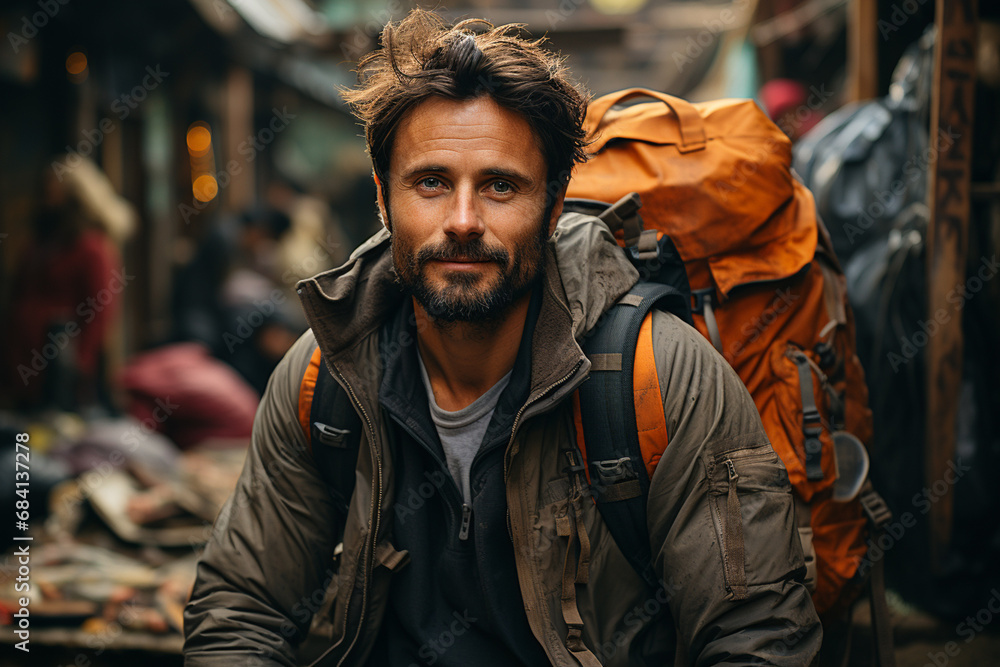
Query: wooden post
x=947 y=246
x=862 y=50
x=239 y=117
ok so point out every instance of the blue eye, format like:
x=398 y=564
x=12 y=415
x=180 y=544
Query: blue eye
x=430 y=182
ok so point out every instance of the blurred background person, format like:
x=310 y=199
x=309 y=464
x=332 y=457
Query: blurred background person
x=229 y=296
x=66 y=293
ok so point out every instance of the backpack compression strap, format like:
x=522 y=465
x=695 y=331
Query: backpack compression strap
x=332 y=429
x=620 y=424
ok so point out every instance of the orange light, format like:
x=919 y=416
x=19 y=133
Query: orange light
x=199 y=138
x=76 y=63
x=205 y=187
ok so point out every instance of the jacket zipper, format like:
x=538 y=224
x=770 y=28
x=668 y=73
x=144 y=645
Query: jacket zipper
x=466 y=520
x=466 y=510
x=517 y=421
x=376 y=515
x=464 y=517
x=735 y=561
x=463 y=533
x=529 y=608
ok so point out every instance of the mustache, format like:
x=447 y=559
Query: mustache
x=473 y=251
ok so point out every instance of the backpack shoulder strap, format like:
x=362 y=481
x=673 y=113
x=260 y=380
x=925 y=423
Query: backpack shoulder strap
x=620 y=424
x=332 y=429
x=307 y=390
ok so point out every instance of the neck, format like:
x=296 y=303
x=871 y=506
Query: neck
x=465 y=359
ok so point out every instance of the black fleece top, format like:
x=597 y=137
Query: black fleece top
x=457 y=602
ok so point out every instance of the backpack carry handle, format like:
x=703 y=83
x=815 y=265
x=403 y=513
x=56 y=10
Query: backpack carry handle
x=689 y=121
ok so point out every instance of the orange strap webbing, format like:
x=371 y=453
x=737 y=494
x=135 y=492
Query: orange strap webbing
x=649 y=416
x=306 y=390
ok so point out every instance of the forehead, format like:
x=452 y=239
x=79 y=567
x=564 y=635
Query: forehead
x=472 y=135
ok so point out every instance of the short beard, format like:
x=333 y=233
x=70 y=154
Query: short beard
x=459 y=301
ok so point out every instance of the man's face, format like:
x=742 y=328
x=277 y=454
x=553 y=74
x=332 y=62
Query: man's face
x=466 y=190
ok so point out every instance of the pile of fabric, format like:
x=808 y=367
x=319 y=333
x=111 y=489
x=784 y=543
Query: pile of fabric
x=120 y=508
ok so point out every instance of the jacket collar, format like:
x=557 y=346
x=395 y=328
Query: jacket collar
x=586 y=273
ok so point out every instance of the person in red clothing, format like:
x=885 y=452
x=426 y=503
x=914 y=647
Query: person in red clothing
x=68 y=286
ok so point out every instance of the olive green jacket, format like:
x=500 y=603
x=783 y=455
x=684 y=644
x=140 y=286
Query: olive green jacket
x=275 y=558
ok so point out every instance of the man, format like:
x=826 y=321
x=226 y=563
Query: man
x=455 y=334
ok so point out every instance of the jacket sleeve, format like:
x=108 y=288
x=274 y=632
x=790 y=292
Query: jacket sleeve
x=721 y=517
x=270 y=554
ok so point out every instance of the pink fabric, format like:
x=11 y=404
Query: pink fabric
x=781 y=95
x=188 y=395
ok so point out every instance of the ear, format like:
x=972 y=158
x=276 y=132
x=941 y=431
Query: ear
x=557 y=209
x=380 y=200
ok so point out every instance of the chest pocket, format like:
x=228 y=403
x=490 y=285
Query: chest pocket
x=735 y=478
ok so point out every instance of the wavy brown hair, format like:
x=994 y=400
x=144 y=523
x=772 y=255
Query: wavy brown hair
x=422 y=56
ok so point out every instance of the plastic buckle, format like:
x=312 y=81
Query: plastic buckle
x=614 y=470
x=698 y=298
x=812 y=422
x=827 y=355
x=875 y=507
x=814 y=459
x=812 y=428
x=331 y=435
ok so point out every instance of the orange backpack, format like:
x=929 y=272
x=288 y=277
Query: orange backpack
x=767 y=291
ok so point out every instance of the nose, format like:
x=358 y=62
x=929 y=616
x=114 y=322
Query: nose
x=464 y=222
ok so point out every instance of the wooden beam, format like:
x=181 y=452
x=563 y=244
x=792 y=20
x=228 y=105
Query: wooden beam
x=862 y=50
x=238 y=109
x=947 y=246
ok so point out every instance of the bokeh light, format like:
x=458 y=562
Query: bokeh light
x=199 y=138
x=76 y=63
x=205 y=187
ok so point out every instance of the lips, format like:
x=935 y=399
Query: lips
x=460 y=263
